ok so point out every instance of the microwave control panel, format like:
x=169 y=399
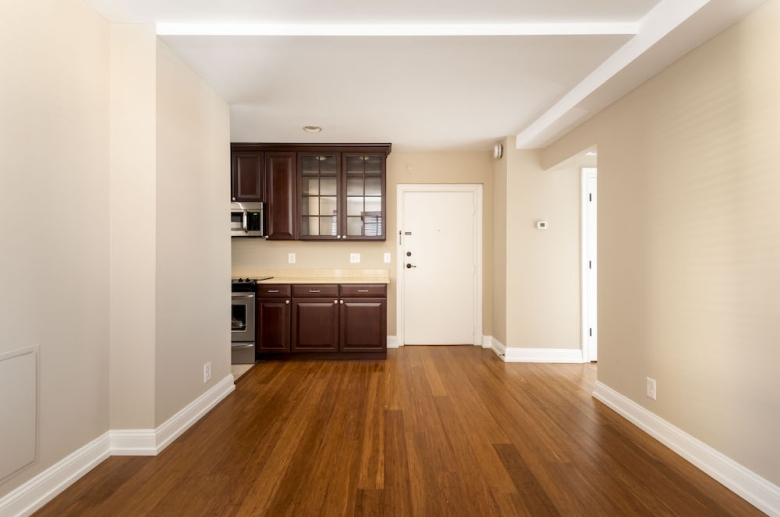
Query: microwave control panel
x=254 y=221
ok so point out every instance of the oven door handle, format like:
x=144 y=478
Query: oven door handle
x=243 y=295
x=245 y=223
x=240 y=345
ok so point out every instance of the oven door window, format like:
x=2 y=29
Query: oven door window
x=239 y=318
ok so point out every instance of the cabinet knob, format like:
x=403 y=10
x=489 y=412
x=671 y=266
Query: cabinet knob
x=287 y=302
x=335 y=301
x=234 y=199
x=341 y=302
x=338 y=236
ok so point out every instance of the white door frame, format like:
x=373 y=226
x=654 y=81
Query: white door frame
x=476 y=189
x=589 y=260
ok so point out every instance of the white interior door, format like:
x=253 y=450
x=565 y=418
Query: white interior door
x=439 y=267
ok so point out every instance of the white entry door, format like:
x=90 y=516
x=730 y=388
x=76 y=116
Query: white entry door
x=438 y=257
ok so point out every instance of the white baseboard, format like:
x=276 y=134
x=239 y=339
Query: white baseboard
x=133 y=442
x=120 y=442
x=543 y=355
x=753 y=488
x=498 y=347
x=392 y=342
x=183 y=420
x=487 y=341
x=44 y=487
x=150 y=442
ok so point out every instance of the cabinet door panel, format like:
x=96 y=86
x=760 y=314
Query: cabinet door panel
x=247 y=178
x=273 y=325
x=282 y=195
x=363 y=325
x=315 y=325
x=319 y=185
x=364 y=202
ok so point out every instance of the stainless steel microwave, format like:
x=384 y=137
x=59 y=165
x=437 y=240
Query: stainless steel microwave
x=246 y=220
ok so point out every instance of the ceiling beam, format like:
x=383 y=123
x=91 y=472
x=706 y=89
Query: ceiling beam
x=395 y=29
x=655 y=25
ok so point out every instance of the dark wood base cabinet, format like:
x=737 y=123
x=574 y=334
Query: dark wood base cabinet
x=336 y=321
x=315 y=325
x=363 y=324
x=273 y=326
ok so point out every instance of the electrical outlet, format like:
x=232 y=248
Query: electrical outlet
x=354 y=258
x=387 y=258
x=291 y=258
x=207 y=372
x=651 y=391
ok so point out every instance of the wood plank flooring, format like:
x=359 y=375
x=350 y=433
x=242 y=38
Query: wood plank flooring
x=431 y=431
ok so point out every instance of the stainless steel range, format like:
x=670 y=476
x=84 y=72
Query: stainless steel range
x=243 y=321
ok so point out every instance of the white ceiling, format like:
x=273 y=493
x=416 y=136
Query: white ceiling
x=416 y=92
x=424 y=91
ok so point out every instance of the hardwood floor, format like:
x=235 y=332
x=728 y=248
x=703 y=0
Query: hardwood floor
x=432 y=431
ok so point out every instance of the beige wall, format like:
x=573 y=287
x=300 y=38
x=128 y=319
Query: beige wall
x=433 y=167
x=689 y=241
x=54 y=100
x=193 y=241
x=132 y=225
x=85 y=104
x=543 y=266
x=498 y=279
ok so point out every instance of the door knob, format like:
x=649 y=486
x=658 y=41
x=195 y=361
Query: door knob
x=409 y=266
x=408 y=253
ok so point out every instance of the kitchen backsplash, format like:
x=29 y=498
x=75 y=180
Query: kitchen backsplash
x=265 y=254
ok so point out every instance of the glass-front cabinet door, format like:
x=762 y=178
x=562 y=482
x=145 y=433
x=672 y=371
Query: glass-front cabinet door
x=319 y=188
x=364 y=199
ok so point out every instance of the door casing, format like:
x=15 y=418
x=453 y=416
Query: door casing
x=588 y=218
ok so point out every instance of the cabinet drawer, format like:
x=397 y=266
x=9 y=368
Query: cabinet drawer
x=367 y=290
x=315 y=291
x=273 y=291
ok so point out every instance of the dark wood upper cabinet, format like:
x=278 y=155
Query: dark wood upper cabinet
x=247 y=182
x=282 y=195
x=363 y=203
x=319 y=187
x=315 y=191
x=342 y=194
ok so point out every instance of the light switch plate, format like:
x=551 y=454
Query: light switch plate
x=291 y=258
x=387 y=258
x=354 y=258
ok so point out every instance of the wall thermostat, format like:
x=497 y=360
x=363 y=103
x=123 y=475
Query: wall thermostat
x=541 y=225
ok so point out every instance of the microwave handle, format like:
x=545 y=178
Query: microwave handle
x=245 y=228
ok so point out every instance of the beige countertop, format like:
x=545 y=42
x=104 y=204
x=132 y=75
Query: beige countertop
x=316 y=276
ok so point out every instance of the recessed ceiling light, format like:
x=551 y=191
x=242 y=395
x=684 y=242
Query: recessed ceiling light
x=312 y=129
